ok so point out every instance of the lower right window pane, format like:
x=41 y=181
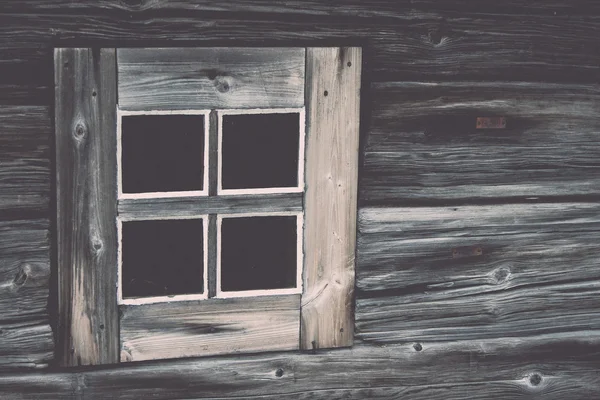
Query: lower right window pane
x=259 y=253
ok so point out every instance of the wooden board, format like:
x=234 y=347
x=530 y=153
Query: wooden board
x=461 y=273
x=209 y=78
x=424 y=145
x=190 y=206
x=538 y=367
x=86 y=202
x=26 y=339
x=209 y=327
x=414 y=45
x=333 y=77
x=25 y=134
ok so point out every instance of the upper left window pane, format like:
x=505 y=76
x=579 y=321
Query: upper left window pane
x=162 y=153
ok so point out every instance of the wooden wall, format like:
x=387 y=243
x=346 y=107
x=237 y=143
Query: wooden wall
x=478 y=269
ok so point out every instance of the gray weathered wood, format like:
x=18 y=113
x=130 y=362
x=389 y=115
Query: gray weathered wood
x=25 y=158
x=209 y=327
x=333 y=80
x=538 y=367
x=208 y=78
x=424 y=145
x=25 y=335
x=461 y=273
x=189 y=206
x=86 y=202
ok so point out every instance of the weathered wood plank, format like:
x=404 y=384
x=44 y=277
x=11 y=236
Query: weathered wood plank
x=209 y=327
x=410 y=47
x=293 y=8
x=25 y=158
x=424 y=145
x=333 y=77
x=208 y=78
x=190 y=206
x=86 y=202
x=539 y=367
x=25 y=335
x=460 y=273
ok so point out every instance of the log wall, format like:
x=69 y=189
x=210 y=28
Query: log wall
x=477 y=257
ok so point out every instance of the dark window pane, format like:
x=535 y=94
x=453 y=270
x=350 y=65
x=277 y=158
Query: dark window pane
x=162 y=257
x=258 y=253
x=260 y=151
x=162 y=153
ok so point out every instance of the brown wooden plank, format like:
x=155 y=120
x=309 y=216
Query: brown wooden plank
x=332 y=126
x=86 y=201
x=26 y=339
x=538 y=367
x=208 y=78
x=463 y=273
x=424 y=145
x=209 y=327
x=25 y=158
x=190 y=206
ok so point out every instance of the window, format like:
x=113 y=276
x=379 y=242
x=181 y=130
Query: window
x=206 y=200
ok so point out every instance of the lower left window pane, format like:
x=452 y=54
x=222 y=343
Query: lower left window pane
x=162 y=258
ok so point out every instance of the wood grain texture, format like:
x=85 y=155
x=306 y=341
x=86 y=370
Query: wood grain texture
x=539 y=367
x=461 y=273
x=424 y=145
x=190 y=206
x=208 y=78
x=86 y=201
x=209 y=327
x=413 y=45
x=333 y=77
x=26 y=340
x=25 y=158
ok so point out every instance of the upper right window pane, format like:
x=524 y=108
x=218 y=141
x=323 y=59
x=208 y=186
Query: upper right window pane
x=261 y=151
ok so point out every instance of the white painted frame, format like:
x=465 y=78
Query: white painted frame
x=301 y=151
x=299 y=256
x=161 y=299
x=151 y=195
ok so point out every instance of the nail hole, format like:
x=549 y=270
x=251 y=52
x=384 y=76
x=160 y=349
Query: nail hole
x=341 y=330
x=102 y=327
x=94 y=93
x=418 y=347
x=349 y=64
x=279 y=373
x=326 y=93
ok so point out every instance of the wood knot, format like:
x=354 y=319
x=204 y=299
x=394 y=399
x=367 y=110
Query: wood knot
x=21 y=276
x=222 y=84
x=80 y=131
x=500 y=275
x=535 y=379
x=418 y=347
x=435 y=37
x=279 y=372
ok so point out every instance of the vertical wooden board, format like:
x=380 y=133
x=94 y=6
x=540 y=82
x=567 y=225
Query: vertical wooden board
x=332 y=104
x=85 y=120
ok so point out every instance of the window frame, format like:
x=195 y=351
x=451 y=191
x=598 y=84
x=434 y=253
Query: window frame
x=91 y=323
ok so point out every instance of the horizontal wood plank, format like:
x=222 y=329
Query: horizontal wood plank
x=209 y=78
x=424 y=145
x=414 y=45
x=210 y=327
x=26 y=340
x=339 y=8
x=25 y=133
x=461 y=273
x=190 y=206
x=539 y=367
